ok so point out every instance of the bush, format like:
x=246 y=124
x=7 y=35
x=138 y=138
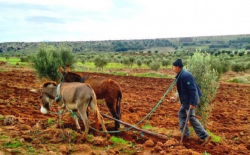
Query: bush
x=47 y=60
x=165 y=62
x=206 y=77
x=66 y=56
x=24 y=59
x=155 y=66
x=238 y=67
x=139 y=62
x=221 y=66
x=248 y=66
x=100 y=61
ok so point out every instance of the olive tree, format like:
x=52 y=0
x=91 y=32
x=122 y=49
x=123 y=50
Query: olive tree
x=66 y=56
x=47 y=60
x=155 y=66
x=100 y=61
x=207 y=79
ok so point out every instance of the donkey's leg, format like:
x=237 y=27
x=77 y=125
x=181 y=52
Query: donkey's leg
x=76 y=121
x=82 y=108
x=60 y=111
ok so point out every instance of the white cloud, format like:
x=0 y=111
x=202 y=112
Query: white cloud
x=57 y=20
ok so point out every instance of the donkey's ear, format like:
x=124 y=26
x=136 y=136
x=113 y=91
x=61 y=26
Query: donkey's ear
x=61 y=69
x=68 y=68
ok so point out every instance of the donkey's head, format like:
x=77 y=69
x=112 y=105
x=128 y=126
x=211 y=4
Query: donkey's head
x=46 y=95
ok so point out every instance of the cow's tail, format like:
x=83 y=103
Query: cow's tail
x=118 y=104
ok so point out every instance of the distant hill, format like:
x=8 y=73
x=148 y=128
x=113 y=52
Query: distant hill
x=207 y=43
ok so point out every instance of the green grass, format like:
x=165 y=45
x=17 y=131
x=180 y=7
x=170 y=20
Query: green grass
x=147 y=126
x=12 y=144
x=205 y=153
x=90 y=138
x=50 y=121
x=215 y=138
x=127 y=151
x=12 y=60
x=152 y=75
x=117 y=140
x=239 y=80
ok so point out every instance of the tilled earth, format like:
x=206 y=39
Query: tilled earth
x=25 y=130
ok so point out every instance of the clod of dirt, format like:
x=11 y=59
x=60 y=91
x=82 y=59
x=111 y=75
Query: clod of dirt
x=9 y=119
x=37 y=126
x=2 y=63
x=64 y=149
x=171 y=142
x=111 y=151
x=27 y=138
x=108 y=136
x=149 y=143
x=159 y=144
x=157 y=149
x=24 y=127
x=36 y=141
x=98 y=141
x=82 y=148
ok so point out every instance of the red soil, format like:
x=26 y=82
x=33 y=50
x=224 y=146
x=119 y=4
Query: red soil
x=229 y=119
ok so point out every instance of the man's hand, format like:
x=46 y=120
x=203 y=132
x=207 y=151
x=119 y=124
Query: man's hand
x=191 y=106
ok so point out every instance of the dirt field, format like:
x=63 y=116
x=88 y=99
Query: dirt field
x=25 y=130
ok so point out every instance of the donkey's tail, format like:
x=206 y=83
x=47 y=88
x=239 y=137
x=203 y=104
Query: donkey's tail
x=93 y=103
x=98 y=116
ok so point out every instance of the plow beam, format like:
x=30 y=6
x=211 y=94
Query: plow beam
x=144 y=131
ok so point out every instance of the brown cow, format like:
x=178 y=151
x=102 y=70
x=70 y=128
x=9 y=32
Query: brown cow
x=106 y=89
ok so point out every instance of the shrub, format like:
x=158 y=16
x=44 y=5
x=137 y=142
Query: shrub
x=100 y=61
x=139 y=62
x=206 y=77
x=7 y=57
x=24 y=59
x=248 y=66
x=221 y=66
x=47 y=60
x=238 y=67
x=66 y=56
x=83 y=60
x=155 y=66
x=165 y=62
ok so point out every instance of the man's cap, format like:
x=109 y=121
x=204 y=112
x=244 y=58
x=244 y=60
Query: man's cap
x=178 y=63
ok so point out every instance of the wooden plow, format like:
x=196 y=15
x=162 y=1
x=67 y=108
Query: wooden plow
x=133 y=127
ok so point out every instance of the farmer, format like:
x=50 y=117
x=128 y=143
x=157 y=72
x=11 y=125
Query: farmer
x=189 y=95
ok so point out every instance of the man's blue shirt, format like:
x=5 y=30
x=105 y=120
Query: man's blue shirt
x=188 y=90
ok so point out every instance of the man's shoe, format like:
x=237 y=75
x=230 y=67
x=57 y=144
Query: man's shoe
x=206 y=140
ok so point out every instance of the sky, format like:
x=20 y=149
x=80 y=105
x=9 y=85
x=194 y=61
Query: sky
x=95 y=20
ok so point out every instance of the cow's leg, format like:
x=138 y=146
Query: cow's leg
x=112 y=109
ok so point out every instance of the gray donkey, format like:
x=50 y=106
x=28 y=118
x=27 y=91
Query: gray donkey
x=74 y=96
